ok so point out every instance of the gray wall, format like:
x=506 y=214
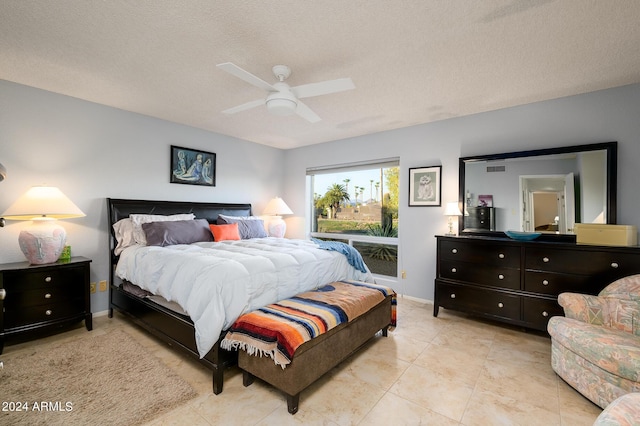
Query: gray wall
x=92 y=152
x=609 y=115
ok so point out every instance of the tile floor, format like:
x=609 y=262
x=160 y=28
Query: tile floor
x=450 y=370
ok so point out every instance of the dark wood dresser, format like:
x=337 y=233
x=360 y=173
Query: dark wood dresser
x=482 y=218
x=40 y=298
x=518 y=282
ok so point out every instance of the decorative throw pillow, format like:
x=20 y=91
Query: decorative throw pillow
x=226 y=232
x=139 y=219
x=169 y=233
x=248 y=226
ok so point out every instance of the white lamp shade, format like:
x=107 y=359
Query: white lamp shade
x=452 y=209
x=44 y=239
x=42 y=201
x=277 y=207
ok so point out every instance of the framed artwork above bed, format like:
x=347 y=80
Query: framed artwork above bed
x=192 y=167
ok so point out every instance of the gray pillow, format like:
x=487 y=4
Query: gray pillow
x=247 y=228
x=177 y=232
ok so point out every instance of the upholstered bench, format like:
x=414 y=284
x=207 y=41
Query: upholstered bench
x=292 y=343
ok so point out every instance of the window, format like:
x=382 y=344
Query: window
x=358 y=204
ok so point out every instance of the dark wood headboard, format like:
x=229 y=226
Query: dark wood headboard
x=121 y=209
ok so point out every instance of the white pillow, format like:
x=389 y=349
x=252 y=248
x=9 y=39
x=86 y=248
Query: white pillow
x=138 y=219
x=124 y=235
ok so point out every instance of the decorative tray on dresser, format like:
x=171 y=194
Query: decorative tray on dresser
x=518 y=282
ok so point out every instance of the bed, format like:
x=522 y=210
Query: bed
x=168 y=320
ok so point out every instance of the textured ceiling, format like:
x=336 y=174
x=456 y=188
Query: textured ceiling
x=412 y=62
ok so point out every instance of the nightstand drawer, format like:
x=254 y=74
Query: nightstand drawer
x=43 y=296
x=43 y=313
x=18 y=281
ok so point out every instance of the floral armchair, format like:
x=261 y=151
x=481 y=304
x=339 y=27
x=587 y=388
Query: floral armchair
x=595 y=348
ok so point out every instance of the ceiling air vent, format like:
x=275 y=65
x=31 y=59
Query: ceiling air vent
x=491 y=169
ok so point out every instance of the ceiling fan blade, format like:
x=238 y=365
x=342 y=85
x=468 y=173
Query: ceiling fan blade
x=244 y=107
x=323 y=88
x=307 y=113
x=246 y=76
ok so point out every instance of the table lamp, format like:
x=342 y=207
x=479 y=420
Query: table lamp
x=44 y=239
x=276 y=208
x=452 y=210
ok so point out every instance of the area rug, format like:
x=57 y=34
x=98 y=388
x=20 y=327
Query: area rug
x=106 y=379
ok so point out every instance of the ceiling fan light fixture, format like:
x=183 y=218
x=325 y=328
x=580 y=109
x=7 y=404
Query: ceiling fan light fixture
x=279 y=105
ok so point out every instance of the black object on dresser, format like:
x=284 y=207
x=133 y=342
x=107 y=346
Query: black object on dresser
x=480 y=218
x=42 y=298
x=518 y=282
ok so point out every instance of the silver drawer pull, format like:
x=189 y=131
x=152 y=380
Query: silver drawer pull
x=545 y=313
x=614 y=264
x=47 y=280
x=454 y=270
x=501 y=256
x=3 y=293
x=500 y=305
x=48 y=312
x=47 y=296
x=453 y=295
x=545 y=282
x=545 y=259
x=454 y=251
x=501 y=277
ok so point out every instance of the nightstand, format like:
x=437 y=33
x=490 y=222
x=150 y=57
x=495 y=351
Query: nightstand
x=42 y=298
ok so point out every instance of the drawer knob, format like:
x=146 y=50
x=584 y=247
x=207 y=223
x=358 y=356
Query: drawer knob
x=545 y=259
x=454 y=251
x=453 y=295
x=3 y=293
x=48 y=312
x=545 y=313
x=500 y=305
x=614 y=264
x=545 y=282
x=501 y=277
x=47 y=296
x=501 y=255
x=47 y=280
x=454 y=270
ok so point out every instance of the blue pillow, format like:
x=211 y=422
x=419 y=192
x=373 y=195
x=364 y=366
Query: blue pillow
x=247 y=227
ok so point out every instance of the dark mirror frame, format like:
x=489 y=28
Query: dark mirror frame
x=611 y=149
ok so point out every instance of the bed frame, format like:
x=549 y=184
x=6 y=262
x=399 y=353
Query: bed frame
x=173 y=328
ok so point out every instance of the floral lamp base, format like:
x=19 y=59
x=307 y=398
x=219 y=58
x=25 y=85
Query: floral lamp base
x=277 y=227
x=42 y=242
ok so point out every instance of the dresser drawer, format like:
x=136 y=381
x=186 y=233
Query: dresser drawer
x=479 y=301
x=486 y=254
x=43 y=313
x=31 y=280
x=553 y=283
x=480 y=274
x=537 y=311
x=583 y=262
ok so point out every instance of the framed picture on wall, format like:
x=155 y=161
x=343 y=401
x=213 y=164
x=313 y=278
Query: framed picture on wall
x=192 y=167
x=425 y=186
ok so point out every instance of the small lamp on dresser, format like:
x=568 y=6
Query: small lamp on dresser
x=276 y=208
x=452 y=210
x=44 y=239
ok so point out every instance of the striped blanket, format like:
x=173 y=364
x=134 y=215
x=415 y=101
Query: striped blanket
x=277 y=330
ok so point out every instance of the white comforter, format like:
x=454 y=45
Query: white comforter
x=215 y=283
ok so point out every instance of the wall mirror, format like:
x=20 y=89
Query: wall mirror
x=546 y=190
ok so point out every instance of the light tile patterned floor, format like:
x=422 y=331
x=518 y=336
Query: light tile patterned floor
x=450 y=370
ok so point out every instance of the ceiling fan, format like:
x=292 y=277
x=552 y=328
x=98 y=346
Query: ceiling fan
x=282 y=98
